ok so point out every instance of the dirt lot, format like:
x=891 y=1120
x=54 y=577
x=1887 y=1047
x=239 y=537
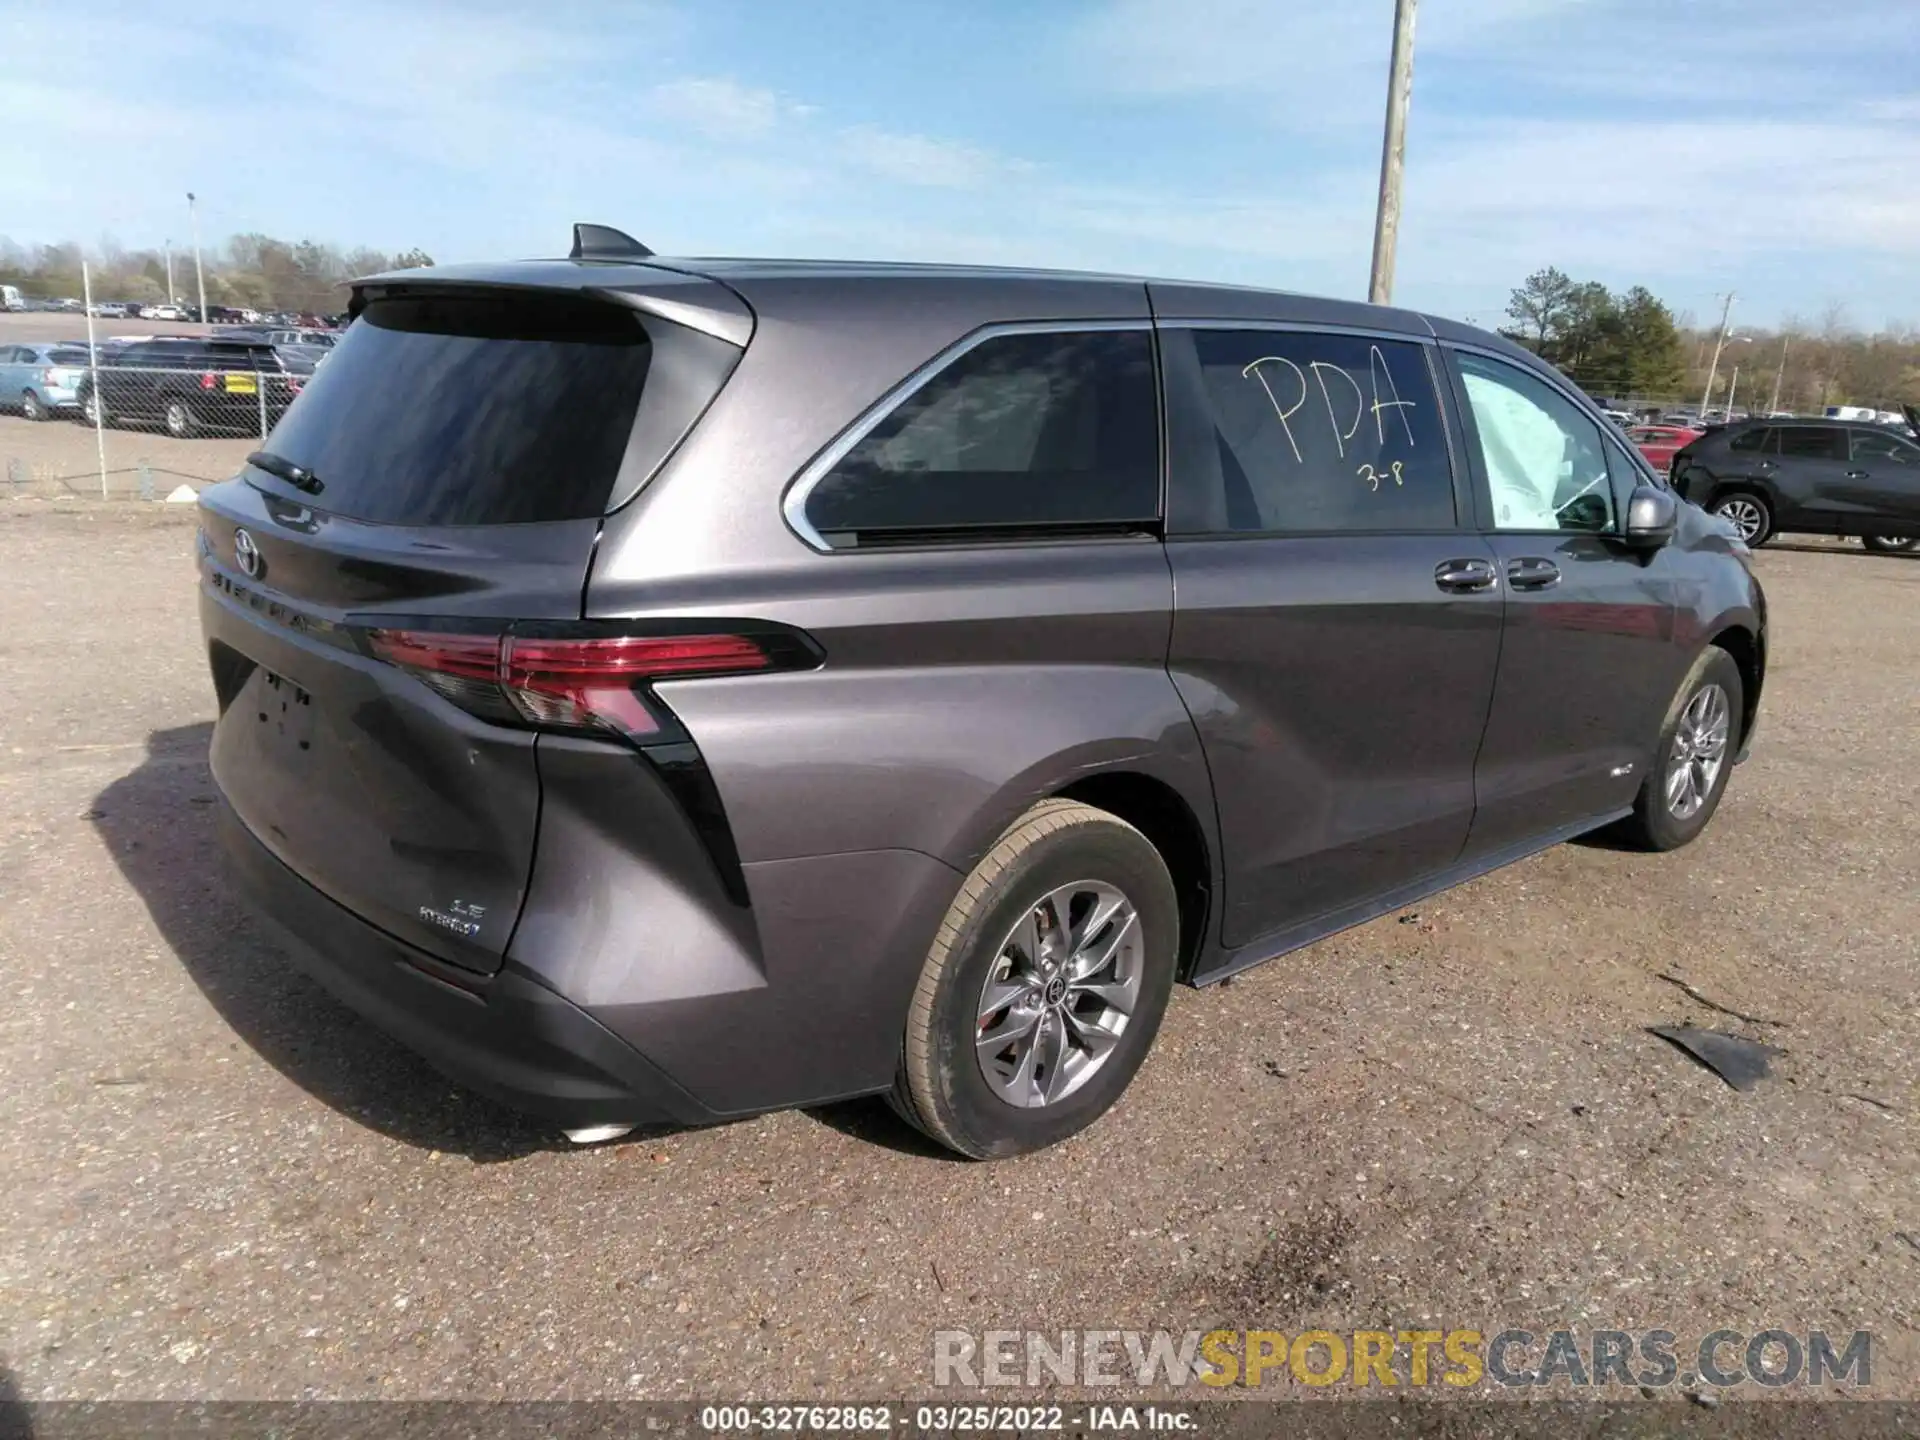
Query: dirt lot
x=219 y=1183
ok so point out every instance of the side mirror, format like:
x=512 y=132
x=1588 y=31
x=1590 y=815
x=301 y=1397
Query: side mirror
x=1652 y=516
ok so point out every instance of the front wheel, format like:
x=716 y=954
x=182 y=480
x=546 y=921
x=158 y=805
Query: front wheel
x=1694 y=756
x=1890 y=544
x=92 y=409
x=1749 y=515
x=1044 y=987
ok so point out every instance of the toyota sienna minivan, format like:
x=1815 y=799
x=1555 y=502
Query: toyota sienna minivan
x=660 y=690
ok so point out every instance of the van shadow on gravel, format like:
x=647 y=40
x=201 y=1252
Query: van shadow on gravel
x=16 y=1421
x=158 y=824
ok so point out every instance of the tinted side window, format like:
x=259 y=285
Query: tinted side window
x=1814 y=442
x=1869 y=446
x=1020 y=433
x=1318 y=432
x=1546 y=466
x=1754 y=439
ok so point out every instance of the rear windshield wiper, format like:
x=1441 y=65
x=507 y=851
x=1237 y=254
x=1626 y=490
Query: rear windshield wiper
x=297 y=476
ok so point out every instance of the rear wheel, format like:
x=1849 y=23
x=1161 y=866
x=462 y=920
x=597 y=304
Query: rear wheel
x=1890 y=544
x=180 y=420
x=1749 y=515
x=33 y=407
x=1694 y=756
x=1044 y=987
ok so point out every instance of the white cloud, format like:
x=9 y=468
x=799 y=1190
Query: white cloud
x=724 y=109
x=921 y=160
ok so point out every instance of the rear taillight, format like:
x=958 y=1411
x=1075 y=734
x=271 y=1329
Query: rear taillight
x=583 y=682
x=209 y=381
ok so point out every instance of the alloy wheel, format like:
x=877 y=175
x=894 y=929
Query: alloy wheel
x=31 y=407
x=1743 y=514
x=179 y=418
x=1699 y=750
x=1063 y=986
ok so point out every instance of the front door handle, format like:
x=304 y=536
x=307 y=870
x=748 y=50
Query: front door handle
x=1464 y=577
x=1532 y=572
x=1859 y=475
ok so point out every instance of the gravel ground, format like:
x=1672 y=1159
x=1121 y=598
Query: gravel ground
x=221 y=1184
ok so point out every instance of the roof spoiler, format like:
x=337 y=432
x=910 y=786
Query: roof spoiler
x=603 y=242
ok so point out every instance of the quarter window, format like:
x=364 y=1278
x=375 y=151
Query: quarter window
x=1045 y=433
x=1318 y=432
x=1754 y=439
x=1545 y=463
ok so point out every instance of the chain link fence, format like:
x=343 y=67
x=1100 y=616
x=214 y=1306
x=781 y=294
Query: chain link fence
x=139 y=418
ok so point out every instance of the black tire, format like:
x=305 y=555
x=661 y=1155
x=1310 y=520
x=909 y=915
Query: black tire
x=89 y=403
x=1890 y=544
x=941 y=1087
x=1654 y=825
x=1729 y=498
x=178 y=419
x=33 y=407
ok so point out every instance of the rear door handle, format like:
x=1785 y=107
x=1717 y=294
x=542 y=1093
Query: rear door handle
x=1532 y=572
x=1464 y=577
x=1859 y=475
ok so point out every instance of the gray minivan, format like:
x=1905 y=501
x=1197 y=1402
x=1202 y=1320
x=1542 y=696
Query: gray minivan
x=670 y=689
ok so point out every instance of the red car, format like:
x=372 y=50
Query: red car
x=1660 y=443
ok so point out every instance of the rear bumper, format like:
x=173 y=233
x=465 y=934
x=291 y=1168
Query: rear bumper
x=506 y=1036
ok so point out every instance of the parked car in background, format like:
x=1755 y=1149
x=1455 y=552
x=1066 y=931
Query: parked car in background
x=165 y=312
x=1660 y=443
x=190 y=385
x=11 y=299
x=284 y=335
x=1814 y=477
x=761 y=682
x=41 y=380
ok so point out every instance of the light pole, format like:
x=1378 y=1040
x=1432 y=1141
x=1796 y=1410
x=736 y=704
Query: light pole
x=171 y=297
x=1713 y=370
x=200 y=274
x=1393 y=154
x=1781 y=373
x=1734 y=384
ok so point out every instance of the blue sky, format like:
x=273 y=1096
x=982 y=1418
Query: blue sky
x=1771 y=147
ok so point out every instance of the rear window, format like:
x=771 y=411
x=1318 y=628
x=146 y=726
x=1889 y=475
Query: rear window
x=471 y=410
x=1021 y=433
x=67 y=357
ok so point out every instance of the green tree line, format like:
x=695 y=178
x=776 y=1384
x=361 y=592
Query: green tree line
x=1631 y=345
x=256 y=271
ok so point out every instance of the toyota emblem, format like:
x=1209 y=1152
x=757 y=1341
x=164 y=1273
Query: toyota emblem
x=246 y=554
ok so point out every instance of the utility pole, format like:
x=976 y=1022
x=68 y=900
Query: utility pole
x=1393 y=154
x=1713 y=370
x=200 y=275
x=1733 y=386
x=168 y=244
x=1780 y=374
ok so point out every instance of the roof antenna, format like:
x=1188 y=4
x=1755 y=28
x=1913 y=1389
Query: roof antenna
x=603 y=242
